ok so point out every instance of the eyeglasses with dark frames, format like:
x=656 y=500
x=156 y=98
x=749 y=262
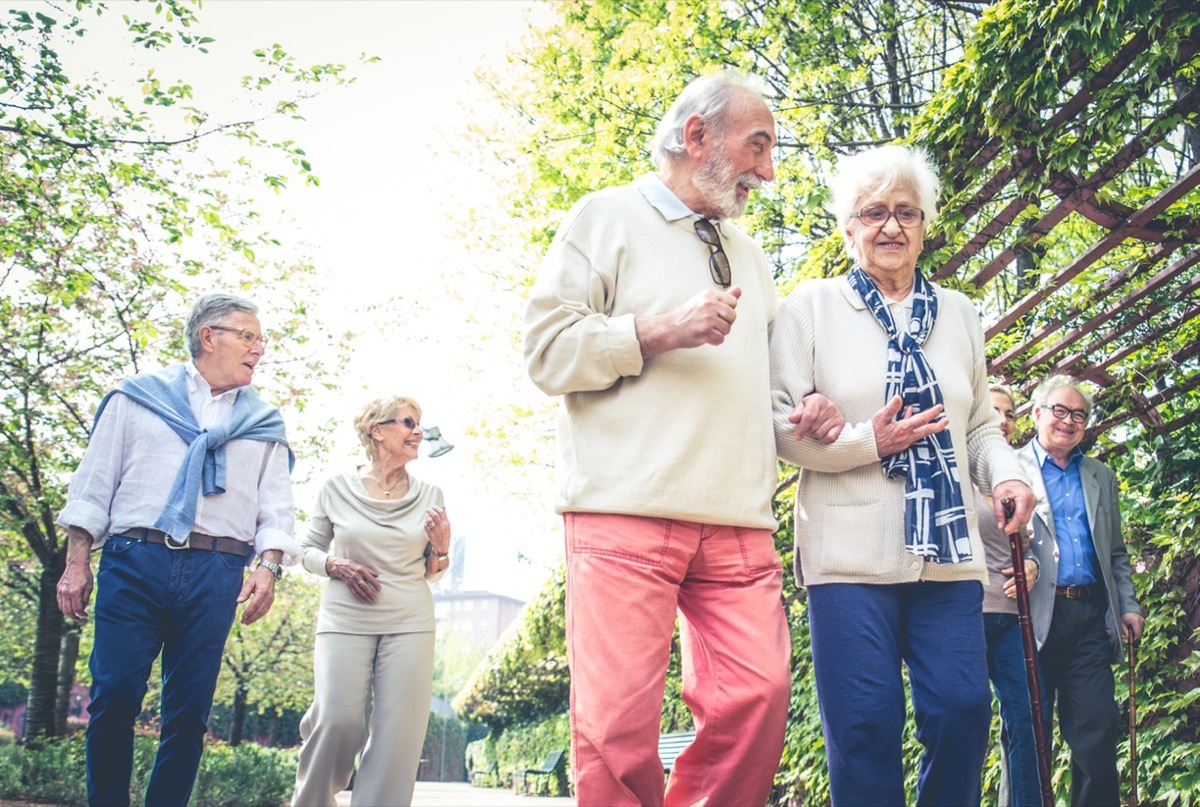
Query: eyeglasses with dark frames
x=247 y=336
x=1061 y=412
x=409 y=423
x=908 y=217
x=718 y=261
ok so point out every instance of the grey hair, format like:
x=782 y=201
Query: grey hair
x=1042 y=393
x=708 y=97
x=209 y=310
x=877 y=170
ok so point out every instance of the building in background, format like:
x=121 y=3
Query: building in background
x=480 y=616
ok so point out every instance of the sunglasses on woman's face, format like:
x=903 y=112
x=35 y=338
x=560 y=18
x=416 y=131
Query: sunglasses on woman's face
x=409 y=423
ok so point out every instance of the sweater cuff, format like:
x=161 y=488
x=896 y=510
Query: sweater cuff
x=623 y=346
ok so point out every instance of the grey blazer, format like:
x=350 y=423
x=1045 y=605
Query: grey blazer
x=1104 y=519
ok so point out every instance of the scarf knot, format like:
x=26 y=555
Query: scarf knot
x=203 y=470
x=935 y=518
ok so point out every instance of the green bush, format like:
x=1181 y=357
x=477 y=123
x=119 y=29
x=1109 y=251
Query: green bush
x=525 y=747
x=51 y=773
x=246 y=774
x=54 y=772
x=444 y=751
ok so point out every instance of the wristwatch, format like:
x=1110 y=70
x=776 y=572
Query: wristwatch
x=272 y=567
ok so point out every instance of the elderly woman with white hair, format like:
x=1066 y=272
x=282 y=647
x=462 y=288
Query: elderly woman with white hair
x=887 y=542
x=380 y=535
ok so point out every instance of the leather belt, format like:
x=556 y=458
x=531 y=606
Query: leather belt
x=195 y=540
x=1076 y=592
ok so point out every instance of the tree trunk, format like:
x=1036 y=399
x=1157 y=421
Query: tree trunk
x=43 y=679
x=69 y=655
x=237 y=718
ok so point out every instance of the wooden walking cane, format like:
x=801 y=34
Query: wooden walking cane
x=1029 y=645
x=1133 y=790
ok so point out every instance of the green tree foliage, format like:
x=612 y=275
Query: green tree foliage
x=590 y=88
x=455 y=658
x=267 y=668
x=524 y=678
x=110 y=221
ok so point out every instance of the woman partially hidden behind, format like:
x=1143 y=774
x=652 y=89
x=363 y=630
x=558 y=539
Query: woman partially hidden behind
x=887 y=542
x=380 y=535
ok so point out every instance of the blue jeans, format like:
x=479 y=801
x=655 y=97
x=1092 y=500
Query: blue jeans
x=151 y=599
x=1006 y=668
x=860 y=635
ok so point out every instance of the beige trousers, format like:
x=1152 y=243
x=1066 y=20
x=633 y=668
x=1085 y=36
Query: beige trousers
x=395 y=672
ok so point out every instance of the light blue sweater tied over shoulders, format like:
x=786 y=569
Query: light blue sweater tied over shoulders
x=165 y=393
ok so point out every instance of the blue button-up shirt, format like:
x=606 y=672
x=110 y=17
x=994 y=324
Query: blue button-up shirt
x=1064 y=487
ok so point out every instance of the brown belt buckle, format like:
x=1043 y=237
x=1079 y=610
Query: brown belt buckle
x=187 y=543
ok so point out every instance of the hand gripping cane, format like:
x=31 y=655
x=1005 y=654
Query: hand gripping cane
x=1029 y=645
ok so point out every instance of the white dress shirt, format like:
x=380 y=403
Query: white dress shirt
x=132 y=459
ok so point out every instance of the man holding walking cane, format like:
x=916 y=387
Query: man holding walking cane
x=1083 y=602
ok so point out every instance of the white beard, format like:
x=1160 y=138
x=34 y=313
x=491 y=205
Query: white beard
x=716 y=180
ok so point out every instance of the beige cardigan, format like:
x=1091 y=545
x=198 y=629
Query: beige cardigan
x=849 y=515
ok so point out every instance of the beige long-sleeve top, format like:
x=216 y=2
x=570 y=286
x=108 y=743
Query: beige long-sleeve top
x=388 y=535
x=849 y=515
x=686 y=434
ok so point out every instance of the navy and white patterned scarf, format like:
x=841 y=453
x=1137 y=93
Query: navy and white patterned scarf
x=935 y=520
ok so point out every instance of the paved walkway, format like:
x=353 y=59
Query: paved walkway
x=461 y=794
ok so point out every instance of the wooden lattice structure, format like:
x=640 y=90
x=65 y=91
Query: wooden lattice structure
x=1083 y=259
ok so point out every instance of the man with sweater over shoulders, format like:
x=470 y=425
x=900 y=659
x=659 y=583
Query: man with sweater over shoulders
x=184 y=482
x=650 y=317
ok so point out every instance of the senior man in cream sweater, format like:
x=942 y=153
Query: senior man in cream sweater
x=651 y=318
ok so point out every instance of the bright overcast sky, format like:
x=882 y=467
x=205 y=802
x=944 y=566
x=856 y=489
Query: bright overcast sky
x=377 y=225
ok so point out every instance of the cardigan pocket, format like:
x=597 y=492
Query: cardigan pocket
x=852 y=541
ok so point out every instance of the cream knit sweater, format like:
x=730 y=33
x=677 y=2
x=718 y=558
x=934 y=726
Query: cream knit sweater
x=849 y=515
x=685 y=435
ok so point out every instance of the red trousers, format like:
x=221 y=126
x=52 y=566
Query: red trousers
x=626 y=578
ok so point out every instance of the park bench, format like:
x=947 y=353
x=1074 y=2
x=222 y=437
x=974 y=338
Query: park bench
x=487 y=775
x=552 y=762
x=670 y=746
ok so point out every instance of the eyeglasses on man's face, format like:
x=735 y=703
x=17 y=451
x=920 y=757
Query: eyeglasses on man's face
x=910 y=218
x=718 y=262
x=407 y=422
x=1062 y=412
x=248 y=336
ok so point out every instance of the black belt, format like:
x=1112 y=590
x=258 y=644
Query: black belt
x=1077 y=592
x=195 y=540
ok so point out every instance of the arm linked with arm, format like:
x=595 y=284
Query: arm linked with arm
x=793 y=358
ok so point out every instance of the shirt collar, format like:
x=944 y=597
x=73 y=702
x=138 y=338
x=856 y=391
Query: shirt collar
x=663 y=199
x=1042 y=456
x=198 y=383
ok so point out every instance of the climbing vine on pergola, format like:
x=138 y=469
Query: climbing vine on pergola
x=1073 y=213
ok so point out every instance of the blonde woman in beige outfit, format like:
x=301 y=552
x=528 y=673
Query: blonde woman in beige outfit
x=380 y=536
